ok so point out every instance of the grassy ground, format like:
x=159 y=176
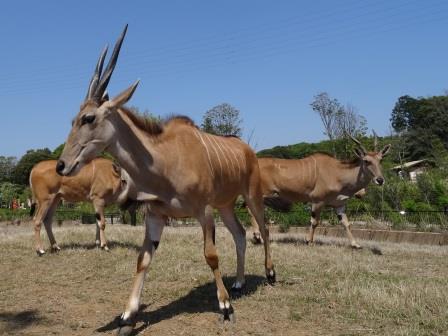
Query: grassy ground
x=326 y=289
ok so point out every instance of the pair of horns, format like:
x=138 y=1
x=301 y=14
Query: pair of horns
x=375 y=142
x=100 y=80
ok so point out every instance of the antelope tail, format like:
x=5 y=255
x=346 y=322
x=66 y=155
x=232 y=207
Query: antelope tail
x=277 y=203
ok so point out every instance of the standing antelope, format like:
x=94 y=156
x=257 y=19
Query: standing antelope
x=99 y=181
x=177 y=169
x=321 y=180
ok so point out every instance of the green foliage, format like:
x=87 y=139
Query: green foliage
x=7 y=166
x=8 y=192
x=424 y=123
x=298 y=216
x=27 y=162
x=223 y=119
x=58 y=151
x=343 y=147
x=9 y=214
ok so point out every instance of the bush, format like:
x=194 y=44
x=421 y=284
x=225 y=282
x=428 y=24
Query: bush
x=9 y=214
x=298 y=216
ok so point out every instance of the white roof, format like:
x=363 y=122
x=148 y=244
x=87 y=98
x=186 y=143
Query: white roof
x=408 y=164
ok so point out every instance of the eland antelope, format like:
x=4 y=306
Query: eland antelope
x=177 y=169
x=100 y=181
x=321 y=180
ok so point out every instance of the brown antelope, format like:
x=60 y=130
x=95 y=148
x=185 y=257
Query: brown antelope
x=99 y=181
x=177 y=169
x=321 y=180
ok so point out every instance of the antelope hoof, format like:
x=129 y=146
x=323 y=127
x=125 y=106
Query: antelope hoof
x=40 y=253
x=125 y=327
x=256 y=239
x=227 y=314
x=356 y=246
x=105 y=248
x=270 y=276
x=237 y=289
x=55 y=249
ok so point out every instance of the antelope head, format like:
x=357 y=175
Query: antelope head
x=92 y=130
x=371 y=161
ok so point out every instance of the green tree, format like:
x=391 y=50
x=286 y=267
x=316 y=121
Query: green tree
x=26 y=163
x=8 y=191
x=402 y=113
x=7 y=165
x=329 y=110
x=58 y=151
x=223 y=119
x=421 y=122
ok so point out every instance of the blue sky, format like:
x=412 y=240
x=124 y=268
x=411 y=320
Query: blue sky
x=266 y=58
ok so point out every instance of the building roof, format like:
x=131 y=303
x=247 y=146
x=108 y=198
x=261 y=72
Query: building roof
x=409 y=164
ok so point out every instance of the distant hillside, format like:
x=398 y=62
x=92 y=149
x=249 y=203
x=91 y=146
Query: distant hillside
x=343 y=148
x=295 y=151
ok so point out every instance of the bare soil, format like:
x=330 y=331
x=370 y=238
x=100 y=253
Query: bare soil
x=325 y=289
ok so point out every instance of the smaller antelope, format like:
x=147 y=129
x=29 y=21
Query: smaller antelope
x=321 y=180
x=100 y=181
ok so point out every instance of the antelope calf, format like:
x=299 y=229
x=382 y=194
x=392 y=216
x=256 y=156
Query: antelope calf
x=99 y=181
x=321 y=180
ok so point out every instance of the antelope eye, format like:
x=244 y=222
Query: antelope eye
x=87 y=119
x=367 y=162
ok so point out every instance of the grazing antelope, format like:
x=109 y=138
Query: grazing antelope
x=321 y=180
x=99 y=181
x=177 y=169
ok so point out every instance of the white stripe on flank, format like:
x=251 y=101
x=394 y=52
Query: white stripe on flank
x=208 y=154
x=224 y=156
x=208 y=136
x=235 y=161
x=224 y=148
x=315 y=168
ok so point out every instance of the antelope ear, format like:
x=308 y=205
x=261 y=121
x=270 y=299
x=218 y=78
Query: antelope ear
x=359 y=153
x=385 y=150
x=123 y=97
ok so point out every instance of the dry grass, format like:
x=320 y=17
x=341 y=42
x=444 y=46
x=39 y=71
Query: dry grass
x=327 y=289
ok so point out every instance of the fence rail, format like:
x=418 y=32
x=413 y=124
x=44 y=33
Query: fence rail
x=435 y=221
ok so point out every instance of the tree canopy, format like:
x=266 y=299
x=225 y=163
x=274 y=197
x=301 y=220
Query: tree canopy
x=27 y=162
x=223 y=119
x=423 y=124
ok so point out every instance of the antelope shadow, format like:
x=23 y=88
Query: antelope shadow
x=16 y=321
x=200 y=299
x=91 y=246
x=302 y=241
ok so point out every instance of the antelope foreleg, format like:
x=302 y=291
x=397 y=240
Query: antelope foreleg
x=153 y=231
x=38 y=220
x=344 y=221
x=255 y=203
x=314 y=223
x=256 y=236
x=101 y=224
x=48 y=223
x=239 y=237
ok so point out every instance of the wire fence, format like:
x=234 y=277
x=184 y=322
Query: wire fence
x=430 y=221
x=433 y=221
